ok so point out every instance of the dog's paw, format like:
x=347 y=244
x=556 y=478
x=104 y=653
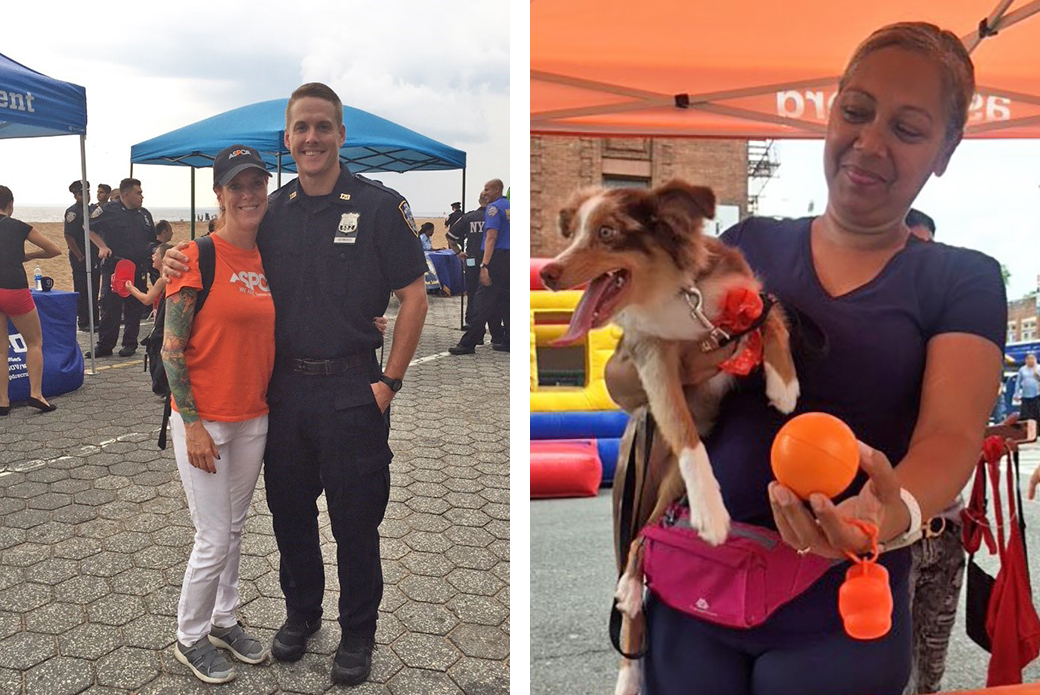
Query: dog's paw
x=708 y=515
x=629 y=678
x=629 y=595
x=782 y=395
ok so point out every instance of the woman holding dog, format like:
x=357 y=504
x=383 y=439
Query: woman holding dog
x=901 y=340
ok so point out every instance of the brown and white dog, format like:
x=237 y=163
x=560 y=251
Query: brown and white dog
x=651 y=270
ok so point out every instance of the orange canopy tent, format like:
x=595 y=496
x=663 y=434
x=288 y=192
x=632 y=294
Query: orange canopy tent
x=755 y=69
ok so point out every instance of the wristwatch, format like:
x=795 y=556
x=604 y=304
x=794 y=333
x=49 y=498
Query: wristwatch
x=483 y=265
x=394 y=384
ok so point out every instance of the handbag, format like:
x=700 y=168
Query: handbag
x=738 y=584
x=1000 y=614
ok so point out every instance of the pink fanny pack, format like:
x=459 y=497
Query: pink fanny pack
x=737 y=584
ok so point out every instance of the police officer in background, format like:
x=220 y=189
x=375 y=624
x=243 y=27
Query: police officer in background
x=103 y=193
x=454 y=215
x=464 y=238
x=492 y=298
x=334 y=247
x=121 y=229
x=87 y=302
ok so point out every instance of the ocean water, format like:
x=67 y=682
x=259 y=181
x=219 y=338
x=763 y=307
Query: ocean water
x=55 y=213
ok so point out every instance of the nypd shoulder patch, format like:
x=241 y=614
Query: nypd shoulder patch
x=406 y=213
x=70 y=217
x=97 y=213
x=492 y=211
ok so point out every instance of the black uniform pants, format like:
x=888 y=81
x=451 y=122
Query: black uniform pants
x=79 y=284
x=326 y=433
x=492 y=304
x=472 y=287
x=116 y=309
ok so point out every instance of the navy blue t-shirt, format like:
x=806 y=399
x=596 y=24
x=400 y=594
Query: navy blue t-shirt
x=860 y=357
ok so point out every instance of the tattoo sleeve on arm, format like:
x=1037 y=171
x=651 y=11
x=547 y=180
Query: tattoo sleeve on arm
x=180 y=312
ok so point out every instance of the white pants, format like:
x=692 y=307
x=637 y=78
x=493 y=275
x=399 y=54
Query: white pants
x=219 y=504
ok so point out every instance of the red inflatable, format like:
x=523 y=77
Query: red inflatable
x=565 y=468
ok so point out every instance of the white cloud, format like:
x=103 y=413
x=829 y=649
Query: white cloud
x=438 y=68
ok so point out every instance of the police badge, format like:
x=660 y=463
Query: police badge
x=406 y=212
x=346 y=233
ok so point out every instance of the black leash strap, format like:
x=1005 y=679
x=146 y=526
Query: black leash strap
x=629 y=512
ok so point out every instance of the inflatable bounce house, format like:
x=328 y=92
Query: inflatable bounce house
x=575 y=426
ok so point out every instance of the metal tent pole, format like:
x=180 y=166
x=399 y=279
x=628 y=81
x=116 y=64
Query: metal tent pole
x=462 y=294
x=86 y=248
x=193 y=202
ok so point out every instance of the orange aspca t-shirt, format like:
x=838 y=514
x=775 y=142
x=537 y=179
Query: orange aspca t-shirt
x=230 y=353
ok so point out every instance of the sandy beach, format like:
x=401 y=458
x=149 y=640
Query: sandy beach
x=58 y=267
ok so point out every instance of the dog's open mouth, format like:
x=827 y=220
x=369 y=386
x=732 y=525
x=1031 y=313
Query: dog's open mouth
x=597 y=305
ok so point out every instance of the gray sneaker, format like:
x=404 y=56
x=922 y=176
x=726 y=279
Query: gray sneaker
x=244 y=648
x=208 y=665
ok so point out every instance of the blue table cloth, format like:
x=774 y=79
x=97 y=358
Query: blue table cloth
x=449 y=270
x=62 y=358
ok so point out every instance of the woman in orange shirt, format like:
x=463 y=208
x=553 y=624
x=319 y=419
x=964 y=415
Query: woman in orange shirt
x=219 y=363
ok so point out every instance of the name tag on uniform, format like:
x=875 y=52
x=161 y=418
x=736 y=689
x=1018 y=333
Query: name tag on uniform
x=341 y=239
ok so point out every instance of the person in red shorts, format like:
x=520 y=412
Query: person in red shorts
x=16 y=303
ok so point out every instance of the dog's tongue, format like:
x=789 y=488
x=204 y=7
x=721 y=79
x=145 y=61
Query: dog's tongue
x=581 y=320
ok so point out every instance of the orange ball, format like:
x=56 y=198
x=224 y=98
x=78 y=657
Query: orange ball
x=815 y=452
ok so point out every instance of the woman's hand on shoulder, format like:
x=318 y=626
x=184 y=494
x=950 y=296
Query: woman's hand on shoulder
x=174 y=261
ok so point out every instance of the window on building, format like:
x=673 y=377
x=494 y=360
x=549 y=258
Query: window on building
x=614 y=181
x=1012 y=333
x=1029 y=329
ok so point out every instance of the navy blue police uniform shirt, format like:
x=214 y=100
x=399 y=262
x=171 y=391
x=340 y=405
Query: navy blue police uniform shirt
x=496 y=216
x=468 y=231
x=332 y=262
x=860 y=357
x=74 y=228
x=127 y=232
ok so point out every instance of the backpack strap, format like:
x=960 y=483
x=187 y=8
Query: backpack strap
x=167 y=409
x=630 y=503
x=207 y=267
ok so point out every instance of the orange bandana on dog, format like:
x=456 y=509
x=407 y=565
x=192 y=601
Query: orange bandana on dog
x=740 y=309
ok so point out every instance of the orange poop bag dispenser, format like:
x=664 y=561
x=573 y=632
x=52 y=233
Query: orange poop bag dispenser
x=865 y=598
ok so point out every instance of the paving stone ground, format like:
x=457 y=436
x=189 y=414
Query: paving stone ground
x=95 y=535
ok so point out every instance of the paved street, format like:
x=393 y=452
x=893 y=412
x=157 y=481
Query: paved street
x=572 y=582
x=95 y=535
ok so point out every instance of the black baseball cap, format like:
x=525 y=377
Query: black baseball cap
x=456 y=205
x=231 y=161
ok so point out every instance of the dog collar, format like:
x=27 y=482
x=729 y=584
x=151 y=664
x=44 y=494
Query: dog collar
x=720 y=336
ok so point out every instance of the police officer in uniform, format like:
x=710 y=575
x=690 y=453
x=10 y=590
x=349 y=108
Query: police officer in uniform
x=87 y=301
x=464 y=239
x=334 y=247
x=121 y=229
x=492 y=298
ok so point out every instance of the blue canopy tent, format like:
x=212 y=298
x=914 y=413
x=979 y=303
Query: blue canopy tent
x=373 y=144
x=33 y=105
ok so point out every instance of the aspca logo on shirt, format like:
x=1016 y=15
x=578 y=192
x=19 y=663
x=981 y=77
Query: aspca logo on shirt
x=251 y=282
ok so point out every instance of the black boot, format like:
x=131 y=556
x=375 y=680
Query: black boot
x=353 y=660
x=290 y=642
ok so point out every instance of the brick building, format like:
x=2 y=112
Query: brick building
x=1022 y=319
x=561 y=165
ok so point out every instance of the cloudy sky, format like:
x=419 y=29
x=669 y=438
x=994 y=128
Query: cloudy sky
x=439 y=68
x=989 y=199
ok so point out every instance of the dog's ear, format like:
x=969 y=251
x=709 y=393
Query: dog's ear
x=564 y=221
x=681 y=200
